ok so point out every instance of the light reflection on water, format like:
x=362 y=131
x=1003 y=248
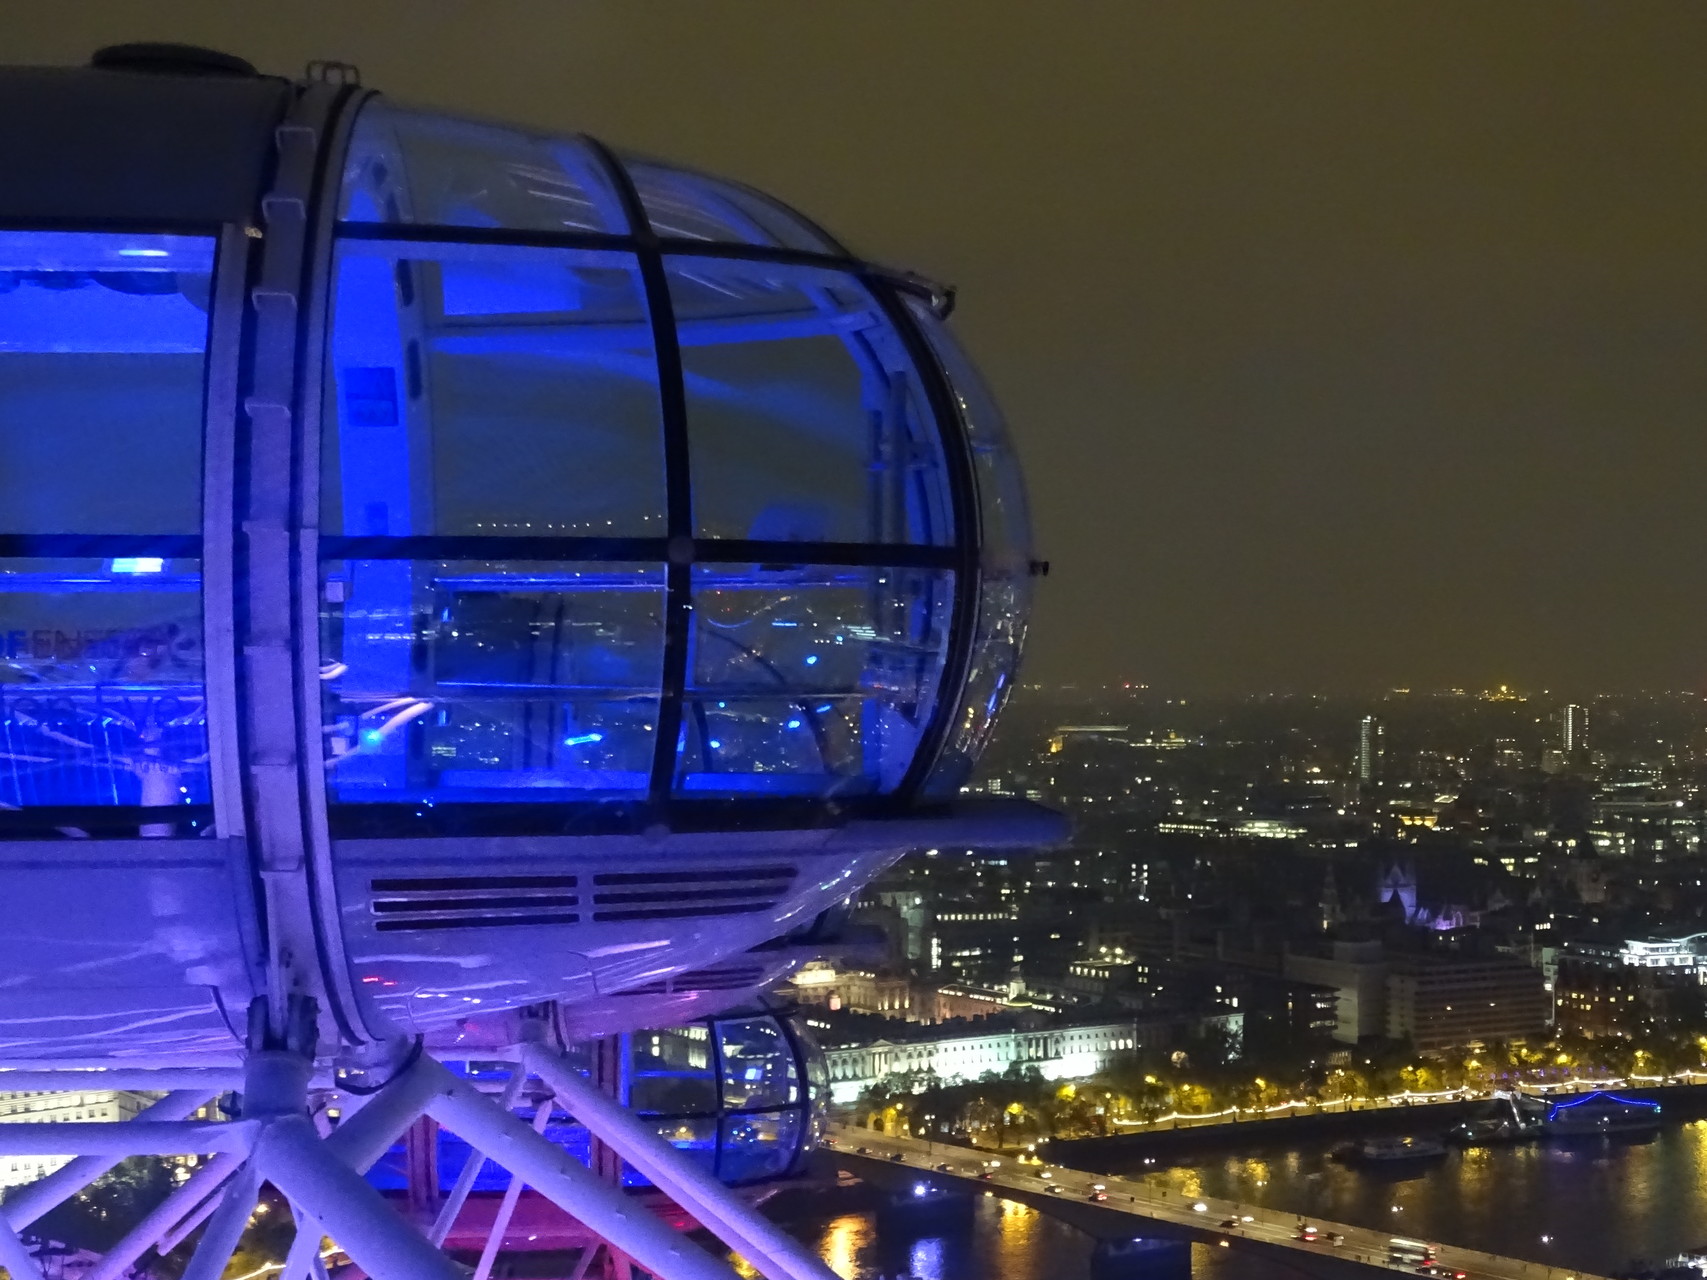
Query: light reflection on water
x=926 y=1258
x=1006 y=1241
x=842 y=1241
x=1604 y=1203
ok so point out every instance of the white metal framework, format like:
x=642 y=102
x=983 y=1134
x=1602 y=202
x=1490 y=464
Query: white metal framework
x=274 y=1138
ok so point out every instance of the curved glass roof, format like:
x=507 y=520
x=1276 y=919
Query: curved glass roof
x=692 y=206
x=414 y=167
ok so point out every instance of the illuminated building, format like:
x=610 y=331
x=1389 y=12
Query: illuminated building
x=1357 y=972
x=857 y=990
x=1058 y=1053
x=41 y=1107
x=1574 y=730
x=1371 y=751
x=1630 y=987
x=1437 y=1002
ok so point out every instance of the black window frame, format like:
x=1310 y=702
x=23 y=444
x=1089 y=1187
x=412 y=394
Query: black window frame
x=679 y=550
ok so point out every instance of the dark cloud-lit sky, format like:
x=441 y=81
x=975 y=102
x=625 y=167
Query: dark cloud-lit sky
x=1347 y=345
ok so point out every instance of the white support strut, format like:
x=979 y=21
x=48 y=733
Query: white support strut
x=507 y=1207
x=304 y=1248
x=19 y=1262
x=304 y=1252
x=566 y=1182
x=208 y=1080
x=384 y=1117
x=126 y=1138
x=181 y=1231
x=471 y=1167
x=230 y=1218
x=328 y=1192
x=764 y=1244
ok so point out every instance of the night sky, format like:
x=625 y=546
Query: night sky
x=1347 y=345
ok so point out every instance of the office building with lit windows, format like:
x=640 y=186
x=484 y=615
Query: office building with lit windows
x=1371 y=751
x=1630 y=987
x=1438 y=1002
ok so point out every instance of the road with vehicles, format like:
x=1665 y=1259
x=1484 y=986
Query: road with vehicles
x=1215 y=1222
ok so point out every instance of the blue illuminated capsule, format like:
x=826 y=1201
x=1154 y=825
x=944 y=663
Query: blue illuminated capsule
x=431 y=555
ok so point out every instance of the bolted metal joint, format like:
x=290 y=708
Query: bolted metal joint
x=294 y=1029
x=280 y=1061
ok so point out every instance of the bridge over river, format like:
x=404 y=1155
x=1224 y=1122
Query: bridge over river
x=1356 y=1252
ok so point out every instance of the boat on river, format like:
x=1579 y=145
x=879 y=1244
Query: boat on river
x=1599 y=1113
x=1508 y=1117
x=925 y=1204
x=1381 y=1151
x=1489 y=1131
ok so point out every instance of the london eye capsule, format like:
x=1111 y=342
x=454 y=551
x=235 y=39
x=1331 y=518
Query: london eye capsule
x=448 y=568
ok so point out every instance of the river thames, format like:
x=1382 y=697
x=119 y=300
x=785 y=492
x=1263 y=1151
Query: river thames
x=1006 y=1241
x=1594 y=1205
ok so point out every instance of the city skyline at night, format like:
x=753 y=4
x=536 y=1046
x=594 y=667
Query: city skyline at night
x=857 y=641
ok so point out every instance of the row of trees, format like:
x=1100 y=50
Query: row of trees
x=1018 y=1106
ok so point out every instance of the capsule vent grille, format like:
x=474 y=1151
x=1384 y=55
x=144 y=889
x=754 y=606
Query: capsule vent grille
x=684 y=894
x=473 y=902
